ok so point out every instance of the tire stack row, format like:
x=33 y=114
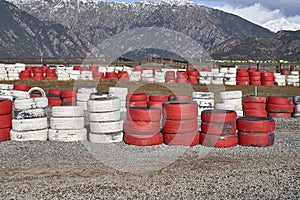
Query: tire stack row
x=293 y=78
x=83 y=95
x=180 y=123
x=256 y=131
x=231 y=100
x=67 y=124
x=5 y=119
x=159 y=77
x=106 y=125
x=54 y=98
x=147 y=76
x=170 y=77
x=218 y=78
x=242 y=77
x=142 y=126
x=280 y=79
x=218 y=128
x=230 y=77
x=255 y=106
x=205 y=78
x=296 y=101
x=138 y=99
x=267 y=79
x=68 y=97
x=135 y=76
x=279 y=107
x=193 y=76
x=30 y=118
x=255 y=78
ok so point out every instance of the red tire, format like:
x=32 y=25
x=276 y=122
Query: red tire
x=218 y=141
x=279 y=100
x=189 y=139
x=258 y=106
x=257 y=83
x=158 y=98
x=5 y=121
x=255 y=99
x=254 y=74
x=143 y=140
x=155 y=104
x=4 y=134
x=35 y=95
x=52 y=101
x=137 y=96
x=218 y=128
x=280 y=115
x=267 y=78
x=220 y=116
x=68 y=104
x=52 y=91
x=255 y=124
x=193 y=79
x=242 y=74
x=68 y=93
x=143 y=114
x=267 y=74
x=267 y=83
x=69 y=99
x=193 y=73
x=137 y=104
x=242 y=78
x=179 y=98
x=280 y=108
x=180 y=126
x=255 y=78
x=182 y=74
x=5 y=106
x=180 y=110
x=256 y=139
x=242 y=82
x=21 y=87
x=141 y=128
x=255 y=113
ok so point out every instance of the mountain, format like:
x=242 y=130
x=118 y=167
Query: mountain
x=285 y=45
x=24 y=36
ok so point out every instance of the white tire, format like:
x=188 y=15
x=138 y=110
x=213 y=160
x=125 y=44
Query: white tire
x=105 y=117
x=215 y=70
x=37 y=89
x=121 y=97
x=67 y=111
x=231 y=95
x=105 y=138
x=6 y=87
x=148 y=80
x=6 y=92
x=230 y=82
x=83 y=105
x=205 y=102
x=20 y=94
x=99 y=95
x=156 y=80
x=295 y=73
x=33 y=103
x=219 y=75
x=106 y=127
x=7 y=97
x=37 y=135
x=29 y=124
x=117 y=91
x=203 y=95
x=108 y=104
x=83 y=96
x=296 y=100
x=67 y=123
x=297 y=108
x=230 y=76
x=87 y=90
x=224 y=106
x=67 y=135
x=235 y=102
x=30 y=114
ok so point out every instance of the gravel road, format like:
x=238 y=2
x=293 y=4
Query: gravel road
x=52 y=170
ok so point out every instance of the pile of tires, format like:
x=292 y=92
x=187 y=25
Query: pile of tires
x=218 y=78
x=205 y=77
x=68 y=97
x=205 y=101
x=255 y=78
x=159 y=77
x=83 y=95
x=218 y=128
x=293 y=79
x=67 y=124
x=280 y=79
x=296 y=101
x=106 y=125
x=20 y=91
x=111 y=76
x=279 y=107
x=30 y=118
x=156 y=101
x=51 y=74
x=135 y=76
x=54 y=97
x=193 y=76
x=123 y=75
x=176 y=97
x=231 y=100
x=3 y=73
x=86 y=75
x=5 y=119
x=255 y=106
x=242 y=77
x=147 y=76
x=121 y=93
x=6 y=91
x=170 y=77
x=230 y=77
x=74 y=75
x=267 y=79
x=256 y=131
x=138 y=99
x=180 y=123
x=142 y=126
x=181 y=77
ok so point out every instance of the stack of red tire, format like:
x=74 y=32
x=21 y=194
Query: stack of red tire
x=5 y=119
x=111 y=76
x=255 y=78
x=193 y=76
x=38 y=74
x=279 y=107
x=180 y=124
x=98 y=75
x=181 y=77
x=242 y=77
x=142 y=126
x=54 y=98
x=170 y=77
x=68 y=97
x=25 y=75
x=93 y=68
x=51 y=74
x=255 y=106
x=218 y=128
x=76 y=68
x=256 y=131
x=123 y=76
x=156 y=101
x=21 y=87
x=138 y=99
x=267 y=79
x=179 y=98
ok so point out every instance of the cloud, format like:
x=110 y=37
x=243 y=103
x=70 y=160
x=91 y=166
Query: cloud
x=274 y=19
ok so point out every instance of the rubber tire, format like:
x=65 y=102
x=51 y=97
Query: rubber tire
x=105 y=117
x=218 y=128
x=74 y=111
x=280 y=108
x=136 y=104
x=31 y=113
x=5 y=106
x=141 y=128
x=218 y=141
x=179 y=98
x=37 y=89
x=189 y=139
x=34 y=103
x=255 y=124
x=108 y=104
x=35 y=135
x=21 y=87
x=136 y=96
x=179 y=126
x=155 y=104
x=255 y=99
x=68 y=93
x=143 y=114
x=220 y=116
x=5 y=121
x=231 y=95
x=54 y=102
x=105 y=138
x=158 y=98
x=256 y=139
x=180 y=110
x=279 y=115
x=53 y=91
x=257 y=106
x=255 y=113
x=67 y=123
x=106 y=127
x=4 y=134
x=143 y=140
x=279 y=100
x=67 y=135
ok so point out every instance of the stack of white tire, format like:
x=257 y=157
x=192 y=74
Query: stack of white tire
x=205 y=101
x=205 y=78
x=62 y=73
x=67 y=124
x=231 y=100
x=218 y=78
x=280 y=80
x=159 y=77
x=3 y=73
x=83 y=95
x=135 y=76
x=30 y=119
x=296 y=101
x=147 y=76
x=6 y=91
x=293 y=79
x=106 y=125
x=74 y=75
x=230 y=77
x=12 y=72
x=121 y=93
x=86 y=76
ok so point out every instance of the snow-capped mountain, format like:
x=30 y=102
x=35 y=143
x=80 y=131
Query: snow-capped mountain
x=281 y=24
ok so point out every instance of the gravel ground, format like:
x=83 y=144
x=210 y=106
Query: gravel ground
x=51 y=170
